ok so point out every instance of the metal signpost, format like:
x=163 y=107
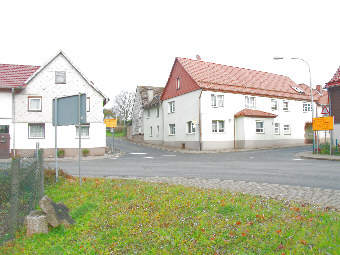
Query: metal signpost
x=322 y=124
x=111 y=123
x=67 y=111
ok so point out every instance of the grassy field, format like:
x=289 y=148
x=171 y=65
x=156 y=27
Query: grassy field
x=134 y=217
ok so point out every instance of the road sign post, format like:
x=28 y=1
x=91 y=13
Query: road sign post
x=322 y=124
x=111 y=123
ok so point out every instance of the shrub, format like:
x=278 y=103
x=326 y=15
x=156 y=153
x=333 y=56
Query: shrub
x=61 y=153
x=85 y=152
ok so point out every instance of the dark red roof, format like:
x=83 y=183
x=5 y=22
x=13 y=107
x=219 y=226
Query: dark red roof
x=213 y=76
x=335 y=81
x=13 y=76
x=254 y=113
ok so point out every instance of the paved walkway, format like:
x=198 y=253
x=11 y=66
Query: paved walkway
x=318 y=197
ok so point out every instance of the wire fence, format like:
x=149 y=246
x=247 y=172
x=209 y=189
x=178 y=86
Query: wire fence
x=21 y=188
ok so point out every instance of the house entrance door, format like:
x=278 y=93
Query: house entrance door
x=309 y=133
x=4 y=142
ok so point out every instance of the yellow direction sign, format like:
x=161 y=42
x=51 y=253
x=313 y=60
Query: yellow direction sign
x=110 y=123
x=323 y=123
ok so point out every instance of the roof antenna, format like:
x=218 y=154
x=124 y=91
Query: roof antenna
x=198 y=57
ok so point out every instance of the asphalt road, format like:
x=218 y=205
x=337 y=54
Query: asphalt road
x=274 y=166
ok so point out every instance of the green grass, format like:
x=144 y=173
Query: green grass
x=109 y=134
x=134 y=217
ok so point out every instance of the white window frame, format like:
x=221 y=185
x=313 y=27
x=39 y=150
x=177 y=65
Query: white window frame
x=250 y=102
x=285 y=105
x=178 y=83
x=274 y=105
x=85 y=135
x=150 y=131
x=276 y=128
x=157 y=130
x=158 y=111
x=172 y=129
x=148 y=113
x=190 y=127
x=217 y=100
x=306 y=106
x=286 y=129
x=30 y=131
x=216 y=126
x=60 y=77
x=30 y=98
x=259 y=130
x=172 y=107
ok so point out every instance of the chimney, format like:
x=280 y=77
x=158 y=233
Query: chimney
x=319 y=88
x=198 y=57
x=150 y=94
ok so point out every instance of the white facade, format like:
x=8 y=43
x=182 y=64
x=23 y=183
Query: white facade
x=153 y=125
x=221 y=130
x=43 y=88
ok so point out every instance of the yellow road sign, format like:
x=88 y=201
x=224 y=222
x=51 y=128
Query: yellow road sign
x=323 y=123
x=110 y=123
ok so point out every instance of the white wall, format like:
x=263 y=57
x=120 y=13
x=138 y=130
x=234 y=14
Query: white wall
x=5 y=104
x=153 y=121
x=44 y=85
x=186 y=109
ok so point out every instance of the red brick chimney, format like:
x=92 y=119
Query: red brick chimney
x=319 y=88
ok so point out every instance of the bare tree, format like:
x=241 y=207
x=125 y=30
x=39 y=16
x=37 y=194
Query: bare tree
x=123 y=103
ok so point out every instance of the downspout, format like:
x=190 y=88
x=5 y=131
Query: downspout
x=199 y=121
x=13 y=120
x=234 y=133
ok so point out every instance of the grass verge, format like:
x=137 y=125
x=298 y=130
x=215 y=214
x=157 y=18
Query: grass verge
x=109 y=134
x=135 y=217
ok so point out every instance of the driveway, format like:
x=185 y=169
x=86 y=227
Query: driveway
x=272 y=166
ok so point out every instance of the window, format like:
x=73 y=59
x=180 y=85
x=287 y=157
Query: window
x=285 y=106
x=259 y=127
x=34 y=104
x=150 y=131
x=218 y=126
x=250 y=102
x=274 y=105
x=178 y=85
x=286 y=129
x=306 y=107
x=4 y=129
x=172 y=130
x=190 y=127
x=87 y=104
x=36 y=131
x=157 y=130
x=217 y=100
x=277 y=128
x=60 y=77
x=85 y=131
x=172 y=107
x=158 y=111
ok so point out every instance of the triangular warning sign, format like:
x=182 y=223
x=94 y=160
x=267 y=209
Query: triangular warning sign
x=325 y=110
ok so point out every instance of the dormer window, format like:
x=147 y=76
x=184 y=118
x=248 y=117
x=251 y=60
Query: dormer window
x=60 y=77
x=178 y=85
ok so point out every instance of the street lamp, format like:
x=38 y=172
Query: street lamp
x=310 y=85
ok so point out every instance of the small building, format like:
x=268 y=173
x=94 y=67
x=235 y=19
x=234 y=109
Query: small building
x=26 y=94
x=144 y=96
x=333 y=87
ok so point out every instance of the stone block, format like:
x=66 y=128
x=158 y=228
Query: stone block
x=57 y=214
x=36 y=223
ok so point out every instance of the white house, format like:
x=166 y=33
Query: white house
x=207 y=106
x=28 y=92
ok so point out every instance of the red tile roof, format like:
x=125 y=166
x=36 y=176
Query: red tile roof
x=335 y=81
x=211 y=76
x=254 y=113
x=13 y=76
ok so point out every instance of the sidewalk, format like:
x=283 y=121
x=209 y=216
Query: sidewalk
x=310 y=155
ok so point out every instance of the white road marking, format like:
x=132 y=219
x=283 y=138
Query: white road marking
x=138 y=153
x=169 y=155
x=298 y=159
x=251 y=157
x=148 y=157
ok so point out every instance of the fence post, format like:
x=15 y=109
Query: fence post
x=42 y=172
x=14 y=211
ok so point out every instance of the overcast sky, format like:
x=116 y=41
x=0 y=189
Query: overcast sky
x=121 y=44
